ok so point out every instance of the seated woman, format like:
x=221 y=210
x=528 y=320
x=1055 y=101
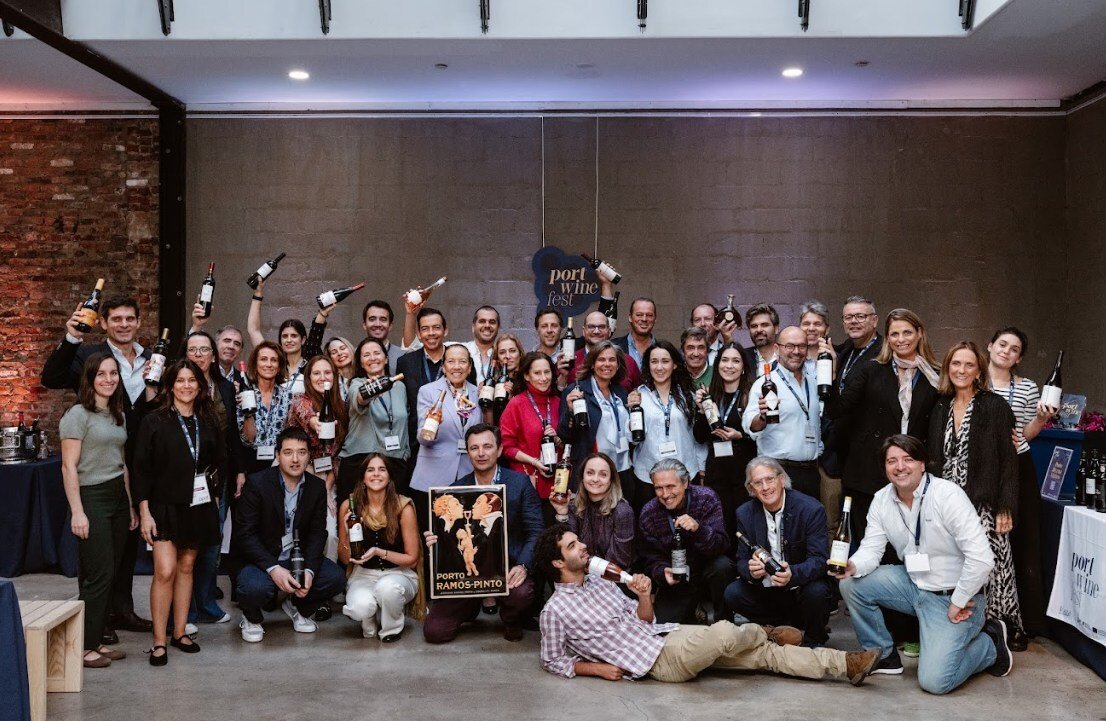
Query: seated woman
x=600 y=516
x=385 y=581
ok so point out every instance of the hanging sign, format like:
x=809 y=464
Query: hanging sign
x=563 y=282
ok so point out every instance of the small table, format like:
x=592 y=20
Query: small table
x=13 y=658
x=34 y=520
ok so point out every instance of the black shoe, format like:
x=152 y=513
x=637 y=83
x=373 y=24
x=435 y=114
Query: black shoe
x=490 y=610
x=156 y=660
x=130 y=622
x=323 y=613
x=218 y=593
x=1018 y=641
x=1004 y=660
x=889 y=666
x=190 y=647
x=109 y=637
x=391 y=638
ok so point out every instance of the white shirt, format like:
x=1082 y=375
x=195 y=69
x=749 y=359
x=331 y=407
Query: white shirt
x=130 y=375
x=960 y=556
x=798 y=435
x=774 y=522
x=612 y=435
x=689 y=452
x=481 y=362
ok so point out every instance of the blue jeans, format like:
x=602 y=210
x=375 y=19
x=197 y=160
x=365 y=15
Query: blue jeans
x=258 y=593
x=204 y=608
x=951 y=652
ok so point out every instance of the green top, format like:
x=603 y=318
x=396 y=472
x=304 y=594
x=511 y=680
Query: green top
x=101 y=444
x=369 y=426
x=703 y=381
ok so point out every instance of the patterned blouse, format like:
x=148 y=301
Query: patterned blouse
x=269 y=421
x=956 y=447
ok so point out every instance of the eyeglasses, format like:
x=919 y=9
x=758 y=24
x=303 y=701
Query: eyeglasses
x=596 y=328
x=764 y=482
x=792 y=347
x=199 y=351
x=856 y=316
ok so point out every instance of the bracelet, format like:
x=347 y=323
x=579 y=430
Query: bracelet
x=385 y=554
x=561 y=517
x=257 y=298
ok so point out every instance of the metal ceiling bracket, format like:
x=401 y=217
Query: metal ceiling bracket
x=642 y=14
x=967 y=14
x=9 y=30
x=804 y=14
x=325 y=16
x=485 y=15
x=165 y=10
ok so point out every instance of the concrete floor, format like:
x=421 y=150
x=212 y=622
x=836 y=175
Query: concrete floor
x=335 y=674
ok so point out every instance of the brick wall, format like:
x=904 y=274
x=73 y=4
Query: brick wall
x=958 y=218
x=78 y=200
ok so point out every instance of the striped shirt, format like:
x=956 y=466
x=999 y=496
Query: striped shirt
x=1023 y=398
x=596 y=622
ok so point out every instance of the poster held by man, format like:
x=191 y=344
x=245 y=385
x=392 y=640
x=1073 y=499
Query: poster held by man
x=470 y=558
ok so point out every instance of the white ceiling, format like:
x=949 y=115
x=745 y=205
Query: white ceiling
x=1031 y=53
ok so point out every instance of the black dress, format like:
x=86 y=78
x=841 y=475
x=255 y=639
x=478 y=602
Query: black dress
x=726 y=474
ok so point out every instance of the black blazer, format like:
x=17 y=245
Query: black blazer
x=232 y=462
x=846 y=350
x=583 y=439
x=63 y=370
x=804 y=542
x=410 y=365
x=163 y=465
x=992 y=458
x=259 y=521
x=728 y=470
x=867 y=412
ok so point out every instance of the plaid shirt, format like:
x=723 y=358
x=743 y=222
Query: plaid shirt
x=655 y=537
x=596 y=622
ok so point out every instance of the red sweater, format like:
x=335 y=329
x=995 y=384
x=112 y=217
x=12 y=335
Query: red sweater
x=522 y=431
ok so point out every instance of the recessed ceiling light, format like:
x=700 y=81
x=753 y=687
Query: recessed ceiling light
x=792 y=72
x=299 y=74
x=441 y=66
x=755 y=115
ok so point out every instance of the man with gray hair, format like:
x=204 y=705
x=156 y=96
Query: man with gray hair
x=791 y=526
x=695 y=512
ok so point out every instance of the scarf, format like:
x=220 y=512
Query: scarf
x=906 y=385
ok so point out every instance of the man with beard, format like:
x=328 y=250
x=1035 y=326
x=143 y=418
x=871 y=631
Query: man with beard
x=764 y=323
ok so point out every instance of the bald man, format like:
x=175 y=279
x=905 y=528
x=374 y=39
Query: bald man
x=596 y=329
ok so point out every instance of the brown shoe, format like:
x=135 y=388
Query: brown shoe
x=100 y=661
x=784 y=635
x=859 y=664
x=112 y=653
x=512 y=633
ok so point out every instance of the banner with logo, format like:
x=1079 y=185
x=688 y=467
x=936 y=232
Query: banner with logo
x=1079 y=591
x=565 y=283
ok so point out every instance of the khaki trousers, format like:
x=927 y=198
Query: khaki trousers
x=690 y=649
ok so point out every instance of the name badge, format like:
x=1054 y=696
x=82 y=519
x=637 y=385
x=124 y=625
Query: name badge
x=723 y=449
x=917 y=562
x=461 y=448
x=623 y=443
x=322 y=465
x=391 y=443
x=200 y=492
x=266 y=453
x=286 y=542
x=810 y=437
x=668 y=448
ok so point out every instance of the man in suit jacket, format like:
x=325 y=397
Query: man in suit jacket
x=120 y=321
x=277 y=504
x=524 y=525
x=860 y=319
x=422 y=366
x=643 y=318
x=792 y=527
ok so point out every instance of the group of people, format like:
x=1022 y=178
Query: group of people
x=687 y=444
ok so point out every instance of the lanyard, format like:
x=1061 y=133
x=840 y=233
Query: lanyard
x=913 y=380
x=667 y=410
x=193 y=446
x=387 y=409
x=426 y=369
x=806 y=391
x=289 y=518
x=614 y=403
x=548 y=417
x=918 y=522
x=852 y=361
x=729 y=408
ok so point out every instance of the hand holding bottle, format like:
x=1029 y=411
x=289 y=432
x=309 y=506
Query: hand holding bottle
x=71 y=324
x=726 y=330
x=825 y=345
x=574 y=395
x=1044 y=410
x=282 y=579
x=726 y=433
x=641 y=585
x=198 y=315
x=756 y=568
x=687 y=523
x=700 y=394
x=633 y=398
x=782 y=578
x=849 y=572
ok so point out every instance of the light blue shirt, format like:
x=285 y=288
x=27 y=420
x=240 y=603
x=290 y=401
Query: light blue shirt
x=291 y=502
x=610 y=431
x=798 y=435
x=689 y=452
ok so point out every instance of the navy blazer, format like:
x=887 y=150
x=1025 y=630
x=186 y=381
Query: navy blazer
x=259 y=521
x=583 y=439
x=805 y=541
x=523 y=512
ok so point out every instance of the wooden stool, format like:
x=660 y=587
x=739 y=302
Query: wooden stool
x=53 y=632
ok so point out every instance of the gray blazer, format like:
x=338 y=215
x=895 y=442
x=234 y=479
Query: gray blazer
x=440 y=462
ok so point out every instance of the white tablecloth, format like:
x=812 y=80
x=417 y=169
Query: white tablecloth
x=1079 y=591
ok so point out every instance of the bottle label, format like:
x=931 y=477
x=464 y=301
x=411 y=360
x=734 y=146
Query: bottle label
x=356 y=534
x=247 y=400
x=560 y=482
x=264 y=271
x=711 y=412
x=825 y=372
x=607 y=271
x=548 y=454
x=839 y=553
x=568 y=347
x=327 y=299
x=487 y=392
x=206 y=292
x=430 y=426
x=1090 y=488
x=848 y=505
x=679 y=561
x=326 y=430
x=772 y=401
x=157 y=366
x=637 y=421
x=500 y=390
x=579 y=406
x=413 y=297
x=88 y=316
x=1050 y=395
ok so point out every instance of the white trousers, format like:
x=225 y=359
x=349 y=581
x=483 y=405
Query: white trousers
x=373 y=594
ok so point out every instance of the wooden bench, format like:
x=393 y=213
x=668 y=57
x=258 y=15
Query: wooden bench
x=54 y=634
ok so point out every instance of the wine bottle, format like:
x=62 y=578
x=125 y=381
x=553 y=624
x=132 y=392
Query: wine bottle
x=486 y=396
x=637 y=423
x=710 y=410
x=500 y=398
x=22 y=425
x=247 y=398
x=824 y=371
x=728 y=314
x=680 y=571
x=378 y=386
x=207 y=290
x=334 y=297
x=1081 y=478
x=603 y=268
x=548 y=453
x=1054 y=386
x=264 y=271
x=157 y=359
x=1100 y=490
x=771 y=397
x=31 y=437
x=1094 y=485
x=299 y=568
x=327 y=424
x=90 y=309
x=568 y=344
x=771 y=565
x=355 y=531
x=842 y=541
x=559 y=494
x=580 y=412
x=602 y=568
x=433 y=419
x=419 y=295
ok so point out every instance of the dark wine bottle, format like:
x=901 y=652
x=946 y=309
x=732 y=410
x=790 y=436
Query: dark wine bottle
x=824 y=371
x=327 y=423
x=680 y=570
x=728 y=314
x=264 y=271
x=90 y=309
x=568 y=344
x=561 y=477
x=247 y=398
x=771 y=397
x=1081 y=478
x=500 y=397
x=1092 y=485
x=377 y=386
x=637 y=423
x=157 y=359
x=710 y=410
x=486 y=397
x=207 y=290
x=355 y=531
x=299 y=567
x=336 y=296
x=548 y=453
x=1100 y=490
x=771 y=565
x=603 y=268
x=580 y=412
x=1054 y=386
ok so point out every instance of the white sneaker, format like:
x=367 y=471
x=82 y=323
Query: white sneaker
x=224 y=619
x=251 y=632
x=299 y=623
x=190 y=629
